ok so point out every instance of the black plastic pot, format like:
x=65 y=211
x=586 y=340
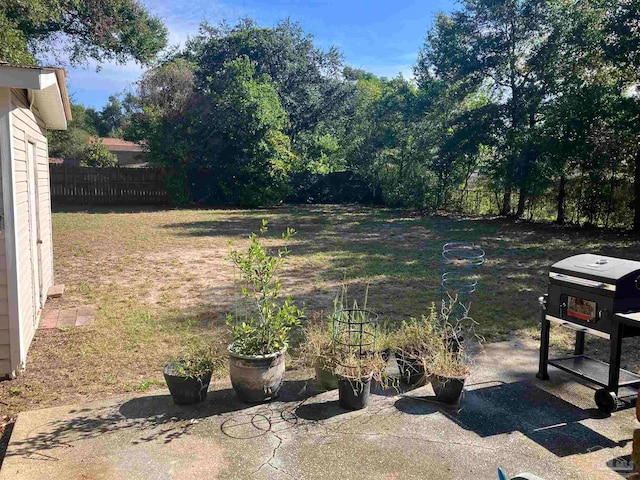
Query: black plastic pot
x=186 y=390
x=448 y=389
x=411 y=368
x=326 y=379
x=354 y=393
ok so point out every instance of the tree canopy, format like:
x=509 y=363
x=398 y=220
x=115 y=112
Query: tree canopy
x=79 y=30
x=252 y=104
x=533 y=102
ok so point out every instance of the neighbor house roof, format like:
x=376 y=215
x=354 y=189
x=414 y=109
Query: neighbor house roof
x=118 y=145
x=47 y=91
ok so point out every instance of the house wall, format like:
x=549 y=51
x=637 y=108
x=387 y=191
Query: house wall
x=27 y=126
x=5 y=153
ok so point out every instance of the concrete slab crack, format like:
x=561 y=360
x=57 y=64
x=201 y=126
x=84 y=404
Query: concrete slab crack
x=274 y=452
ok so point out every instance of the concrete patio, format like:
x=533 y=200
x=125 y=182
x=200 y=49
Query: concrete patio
x=507 y=419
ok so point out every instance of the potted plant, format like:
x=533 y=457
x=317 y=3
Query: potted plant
x=260 y=334
x=413 y=344
x=449 y=371
x=355 y=374
x=316 y=352
x=450 y=364
x=322 y=338
x=188 y=375
x=356 y=358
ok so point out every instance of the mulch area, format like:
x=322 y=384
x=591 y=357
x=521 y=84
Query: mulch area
x=6 y=427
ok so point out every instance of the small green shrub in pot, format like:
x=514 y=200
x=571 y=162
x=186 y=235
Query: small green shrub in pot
x=260 y=333
x=188 y=375
x=413 y=345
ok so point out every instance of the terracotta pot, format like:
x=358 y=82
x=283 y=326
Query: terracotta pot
x=256 y=378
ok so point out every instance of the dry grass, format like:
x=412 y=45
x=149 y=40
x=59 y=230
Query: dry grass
x=162 y=278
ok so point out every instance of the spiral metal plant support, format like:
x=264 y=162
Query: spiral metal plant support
x=458 y=280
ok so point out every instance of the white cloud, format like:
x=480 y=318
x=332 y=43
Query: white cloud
x=183 y=19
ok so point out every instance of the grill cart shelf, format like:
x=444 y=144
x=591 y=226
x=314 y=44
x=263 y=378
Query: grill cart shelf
x=607 y=375
x=598 y=296
x=593 y=370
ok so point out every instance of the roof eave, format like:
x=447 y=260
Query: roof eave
x=48 y=88
x=61 y=76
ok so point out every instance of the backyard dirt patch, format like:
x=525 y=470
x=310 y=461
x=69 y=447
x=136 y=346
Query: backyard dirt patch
x=161 y=279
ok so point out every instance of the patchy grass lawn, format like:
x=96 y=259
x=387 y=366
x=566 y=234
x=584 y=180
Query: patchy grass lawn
x=161 y=279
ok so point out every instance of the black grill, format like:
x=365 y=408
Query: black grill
x=596 y=295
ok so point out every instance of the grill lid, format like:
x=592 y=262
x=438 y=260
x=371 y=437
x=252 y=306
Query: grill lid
x=597 y=267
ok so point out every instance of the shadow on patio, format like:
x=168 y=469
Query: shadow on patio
x=548 y=420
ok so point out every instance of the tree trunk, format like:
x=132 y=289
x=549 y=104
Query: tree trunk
x=561 y=196
x=636 y=188
x=521 y=202
x=506 y=203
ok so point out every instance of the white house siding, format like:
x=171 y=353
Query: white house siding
x=5 y=345
x=5 y=336
x=28 y=125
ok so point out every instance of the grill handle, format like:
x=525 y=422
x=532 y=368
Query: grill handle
x=563 y=310
x=578 y=281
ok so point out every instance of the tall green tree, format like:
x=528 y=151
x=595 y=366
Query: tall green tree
x=503 y=46
x=108 y=122
x=250 y=103
x=230 y=125
x=382 y=139
x=80 y=30
x=241 y=115
x=70 y=144
x=622 y=48
x=307 y=79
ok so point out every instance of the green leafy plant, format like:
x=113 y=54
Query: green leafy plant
x=196 y=360
x=264 y=327
x=95 y=154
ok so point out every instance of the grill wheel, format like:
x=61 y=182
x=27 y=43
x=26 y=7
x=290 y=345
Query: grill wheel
x=606 y=401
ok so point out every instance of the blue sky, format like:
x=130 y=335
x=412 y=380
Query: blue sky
x=380 y=36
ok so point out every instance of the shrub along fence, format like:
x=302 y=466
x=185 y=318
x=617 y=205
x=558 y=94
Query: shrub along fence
x=71 y=185
x=337 y=187
x=107 y=186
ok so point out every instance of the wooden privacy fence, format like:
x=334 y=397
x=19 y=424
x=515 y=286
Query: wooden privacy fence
x=107 y=186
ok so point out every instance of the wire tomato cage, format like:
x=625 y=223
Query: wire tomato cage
x=355 y=331
x=459 y=278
